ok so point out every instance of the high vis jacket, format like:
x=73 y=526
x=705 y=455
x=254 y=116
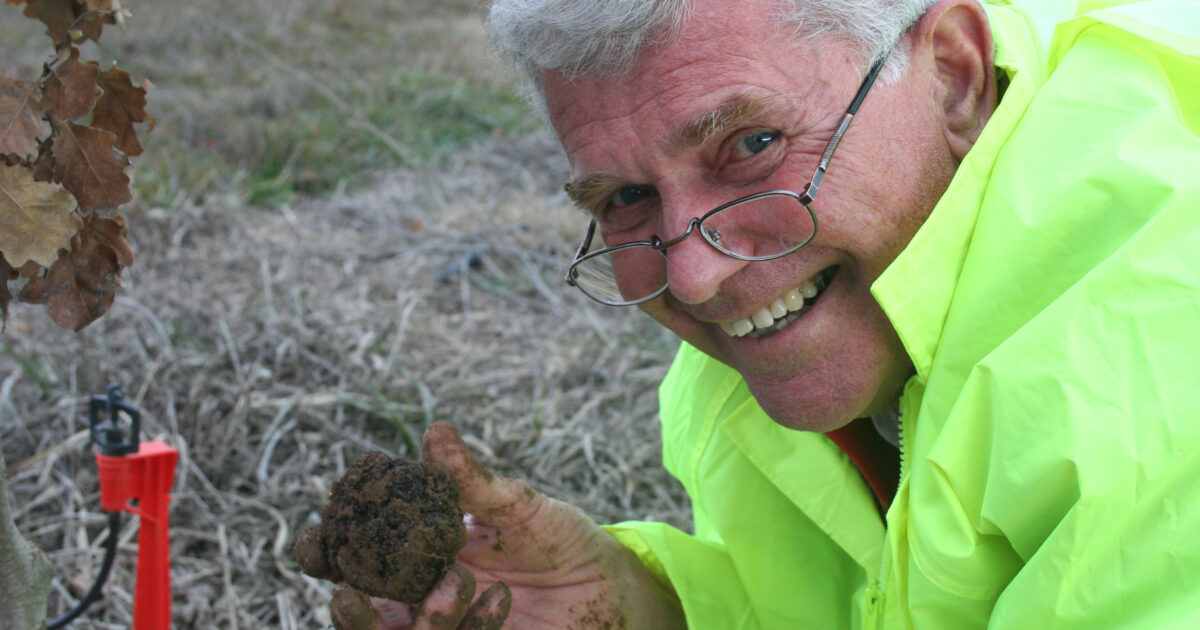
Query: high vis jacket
x=1050 y=456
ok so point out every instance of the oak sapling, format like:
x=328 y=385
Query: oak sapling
x=391 y=529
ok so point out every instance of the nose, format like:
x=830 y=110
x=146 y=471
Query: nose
x=695 y=269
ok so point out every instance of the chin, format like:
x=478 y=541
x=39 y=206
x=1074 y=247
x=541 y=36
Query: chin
x=840 y=361
x=806 y=413
x=827 y=399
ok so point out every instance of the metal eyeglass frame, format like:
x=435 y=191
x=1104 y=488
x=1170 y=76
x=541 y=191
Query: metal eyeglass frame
x=806 y=198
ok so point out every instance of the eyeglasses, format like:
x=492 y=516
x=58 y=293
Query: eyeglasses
x=762 y=226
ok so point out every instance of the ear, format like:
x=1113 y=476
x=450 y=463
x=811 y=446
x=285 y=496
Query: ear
x=955 y=39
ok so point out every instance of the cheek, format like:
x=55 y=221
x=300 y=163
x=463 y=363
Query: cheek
x=885 y=179
x=884 y=207
x=663 y=314
x=685 y=327
x=897 y=224
x=638 y=271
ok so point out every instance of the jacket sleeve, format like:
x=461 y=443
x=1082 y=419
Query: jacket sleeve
x=764 y=499
x=697 y=567
x=700 y=572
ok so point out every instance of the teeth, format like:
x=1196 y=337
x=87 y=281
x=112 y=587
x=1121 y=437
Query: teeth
x=763 y=318
x=775 y=315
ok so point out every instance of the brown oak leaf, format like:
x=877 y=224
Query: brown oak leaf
x=110 y=233
x=20 y=118
x=120 y=107
x=88 y=165
x=57 y=15
x=81 y=285
x=43 y=167
x=92 y=20
x=70 y=87
x=80 y=20
x=37 y=219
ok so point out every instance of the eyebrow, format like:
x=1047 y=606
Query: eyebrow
x=586 y=191
x=730 y=113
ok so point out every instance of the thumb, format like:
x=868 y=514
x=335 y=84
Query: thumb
x=497 y=501
x=350 y=609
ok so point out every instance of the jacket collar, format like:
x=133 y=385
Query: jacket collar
x=813 y=473
x=916 y=290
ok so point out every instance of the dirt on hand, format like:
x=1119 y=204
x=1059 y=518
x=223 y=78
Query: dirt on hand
x=391 y=529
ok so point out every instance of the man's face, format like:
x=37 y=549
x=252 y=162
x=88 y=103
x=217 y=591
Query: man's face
x=733 y=107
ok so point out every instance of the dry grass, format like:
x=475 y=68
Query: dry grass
x=273 y=98
x=272 y=345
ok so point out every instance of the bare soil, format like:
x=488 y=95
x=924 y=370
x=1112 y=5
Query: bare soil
x=390 y=529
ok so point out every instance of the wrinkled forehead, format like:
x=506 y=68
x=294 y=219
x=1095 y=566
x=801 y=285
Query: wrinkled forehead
x=718 y=41
x=682 y=92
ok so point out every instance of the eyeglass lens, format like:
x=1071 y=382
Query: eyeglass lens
x=757 y=229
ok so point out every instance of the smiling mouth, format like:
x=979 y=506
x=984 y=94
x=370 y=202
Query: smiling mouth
x=783 y=311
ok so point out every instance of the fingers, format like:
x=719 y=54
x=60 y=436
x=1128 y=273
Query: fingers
x=442 y=609
x=310 y=554
x=497 y=501
x=490 y=610
x=392 y=615
x=447 y=603
x=351 y=609
x=446 y=608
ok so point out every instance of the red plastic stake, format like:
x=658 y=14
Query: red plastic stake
x=147 y=476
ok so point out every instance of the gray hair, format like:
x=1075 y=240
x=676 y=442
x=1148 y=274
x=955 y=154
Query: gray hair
x=594 y=38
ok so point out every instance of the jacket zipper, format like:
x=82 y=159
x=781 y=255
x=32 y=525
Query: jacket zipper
x=877 y=590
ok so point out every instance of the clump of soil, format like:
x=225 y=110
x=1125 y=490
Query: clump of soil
x=391 y=528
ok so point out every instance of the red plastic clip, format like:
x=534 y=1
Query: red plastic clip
x=145 y=476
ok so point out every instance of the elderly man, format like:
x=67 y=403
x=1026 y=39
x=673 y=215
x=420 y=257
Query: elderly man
x=939 y=367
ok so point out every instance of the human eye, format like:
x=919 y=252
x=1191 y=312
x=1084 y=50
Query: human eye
x=628 y=196
x=626 y=208
x=754 y=143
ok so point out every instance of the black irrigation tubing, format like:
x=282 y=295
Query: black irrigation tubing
x=93 y=594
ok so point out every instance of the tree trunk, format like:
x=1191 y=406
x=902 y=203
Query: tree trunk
x=25 y=571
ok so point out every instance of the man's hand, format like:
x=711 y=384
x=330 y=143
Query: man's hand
x=540 y=563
